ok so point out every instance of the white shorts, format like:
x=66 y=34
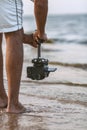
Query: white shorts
x=11 y=15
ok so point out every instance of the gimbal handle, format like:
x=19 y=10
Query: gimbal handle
x=39 y=50
x=40 y=41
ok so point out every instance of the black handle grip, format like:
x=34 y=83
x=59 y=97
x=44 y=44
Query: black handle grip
x=39 y=50
x=39 y=41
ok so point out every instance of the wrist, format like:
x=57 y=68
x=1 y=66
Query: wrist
x=41 y=36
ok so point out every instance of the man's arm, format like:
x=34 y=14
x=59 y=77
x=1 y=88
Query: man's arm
x=40 y=11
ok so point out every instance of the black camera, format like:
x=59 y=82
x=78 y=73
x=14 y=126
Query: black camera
x=40 y=69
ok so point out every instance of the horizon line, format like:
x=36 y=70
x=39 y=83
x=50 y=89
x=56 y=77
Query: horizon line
x=58 y=14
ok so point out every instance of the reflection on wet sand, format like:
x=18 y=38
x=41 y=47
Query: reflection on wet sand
x=21 y=122
x=8 y=121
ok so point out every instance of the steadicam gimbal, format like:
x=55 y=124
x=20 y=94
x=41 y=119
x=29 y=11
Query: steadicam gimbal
x=40 y=69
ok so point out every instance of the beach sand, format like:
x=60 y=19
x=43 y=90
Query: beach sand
x=52 y=106
x=58 y=102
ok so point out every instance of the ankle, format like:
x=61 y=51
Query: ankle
x=3 y=92
x=3 y=102
x=3 y=96
x=15 y=108
x=12 y=102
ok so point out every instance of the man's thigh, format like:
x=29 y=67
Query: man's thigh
x=14 y=37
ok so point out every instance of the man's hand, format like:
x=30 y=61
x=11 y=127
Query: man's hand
x=37 y=36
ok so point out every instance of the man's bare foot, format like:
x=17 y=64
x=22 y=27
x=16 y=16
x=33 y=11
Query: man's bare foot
x=16 y=109
x=3 y=102
x=29 y=39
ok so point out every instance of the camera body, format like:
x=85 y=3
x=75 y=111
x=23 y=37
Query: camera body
x=39 y=70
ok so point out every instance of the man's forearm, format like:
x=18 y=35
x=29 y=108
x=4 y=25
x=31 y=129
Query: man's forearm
x=40 y=10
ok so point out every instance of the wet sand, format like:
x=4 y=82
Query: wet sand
x=53 y=106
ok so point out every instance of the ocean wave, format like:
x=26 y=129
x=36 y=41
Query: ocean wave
x=59 y=40
x=49 y=82
x=64 y=40
x=76 y=65
x=55 y=83
x=82 y=42
x=51 y=40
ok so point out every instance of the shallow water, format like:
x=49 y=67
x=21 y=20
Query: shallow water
x=58 y=102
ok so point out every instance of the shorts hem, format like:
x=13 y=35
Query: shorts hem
x=12 y=29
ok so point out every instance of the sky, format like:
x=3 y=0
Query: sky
x=59 y=7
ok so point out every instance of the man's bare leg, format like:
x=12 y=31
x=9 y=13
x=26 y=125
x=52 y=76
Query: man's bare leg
x=27 y=39
x=3 y=96
x=14 y=61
